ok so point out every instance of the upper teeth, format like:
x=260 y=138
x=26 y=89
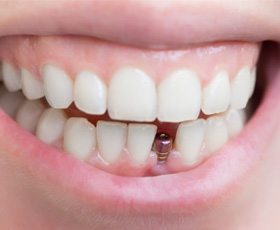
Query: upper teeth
x=58 y=87
x=32 y=87
x=132 y=95
x=11 y=77
x=179 y=97
x=90 y=93
x=216 y=95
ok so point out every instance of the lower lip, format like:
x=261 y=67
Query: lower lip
x=183 y=192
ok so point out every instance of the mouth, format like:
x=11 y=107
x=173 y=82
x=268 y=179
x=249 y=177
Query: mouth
x=142 y=116
x=134 y=128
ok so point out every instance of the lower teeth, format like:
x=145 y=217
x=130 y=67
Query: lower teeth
x=120 y=148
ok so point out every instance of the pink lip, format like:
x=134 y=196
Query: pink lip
x=145 y=23
x=184 y=192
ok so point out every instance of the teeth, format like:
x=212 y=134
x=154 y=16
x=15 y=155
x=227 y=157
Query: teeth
x=32 y=87
x=51 y=125
x=140 y=140
x=10 y=102
x=132 y=96
x=179 y=97
x=28 y=114
x=11 y=77
x=216 y=133
x=189 y=140
x=111 y=139
x=241 y=88
x=216 y=95
x=235 y=120
x=79 y=138
x=58 y=87
x=253 y=81
x=90 y=93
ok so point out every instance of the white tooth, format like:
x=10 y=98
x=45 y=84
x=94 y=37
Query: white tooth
x=58 y=87
x=28 y=114
x=235 y=120
x=90 y=93
x=179 y=97
x=253 y=81
x=140 y=140
x=79 y=138
x=216 y=95
x=111 y=138
x=51 y=125
x=10 y=102
x=32 y=87
x=11 y=77
x=216 y=133
x=241 y=87
x=189 y=140
x=132 y=96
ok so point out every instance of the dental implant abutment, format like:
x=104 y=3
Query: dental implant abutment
x=162 y=146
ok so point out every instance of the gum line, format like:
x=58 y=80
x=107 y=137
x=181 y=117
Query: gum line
x=105 y=58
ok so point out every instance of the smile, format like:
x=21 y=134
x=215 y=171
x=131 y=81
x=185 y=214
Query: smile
x=134 y=124
x=109 y=117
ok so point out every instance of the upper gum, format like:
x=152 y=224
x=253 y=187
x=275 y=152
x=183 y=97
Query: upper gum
x=77 y=54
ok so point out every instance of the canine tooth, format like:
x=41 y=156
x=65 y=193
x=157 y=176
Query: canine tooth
x=51 y=125
x=132 y=96
x=58 y=87
x=189 y=140
x=111 y=138
x=179 y=97
x=10 y=102
x=235 y=121
x=140 y=140
x=28 y=114
x=216 y=133
x=11 y=77
x=32 y=87
x=216 y=95
x=241 y=87
x=90 y=93
x=79 y=138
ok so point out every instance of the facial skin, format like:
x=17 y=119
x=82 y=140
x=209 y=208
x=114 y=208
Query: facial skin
x=30 y=194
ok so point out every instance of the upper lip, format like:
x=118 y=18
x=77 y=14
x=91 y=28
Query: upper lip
x=145 y=23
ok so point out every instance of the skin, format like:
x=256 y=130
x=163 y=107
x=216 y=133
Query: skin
x=31 y=201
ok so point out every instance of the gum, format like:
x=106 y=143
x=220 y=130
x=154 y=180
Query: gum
x=74 y=54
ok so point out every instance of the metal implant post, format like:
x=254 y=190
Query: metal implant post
x=162 y=146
